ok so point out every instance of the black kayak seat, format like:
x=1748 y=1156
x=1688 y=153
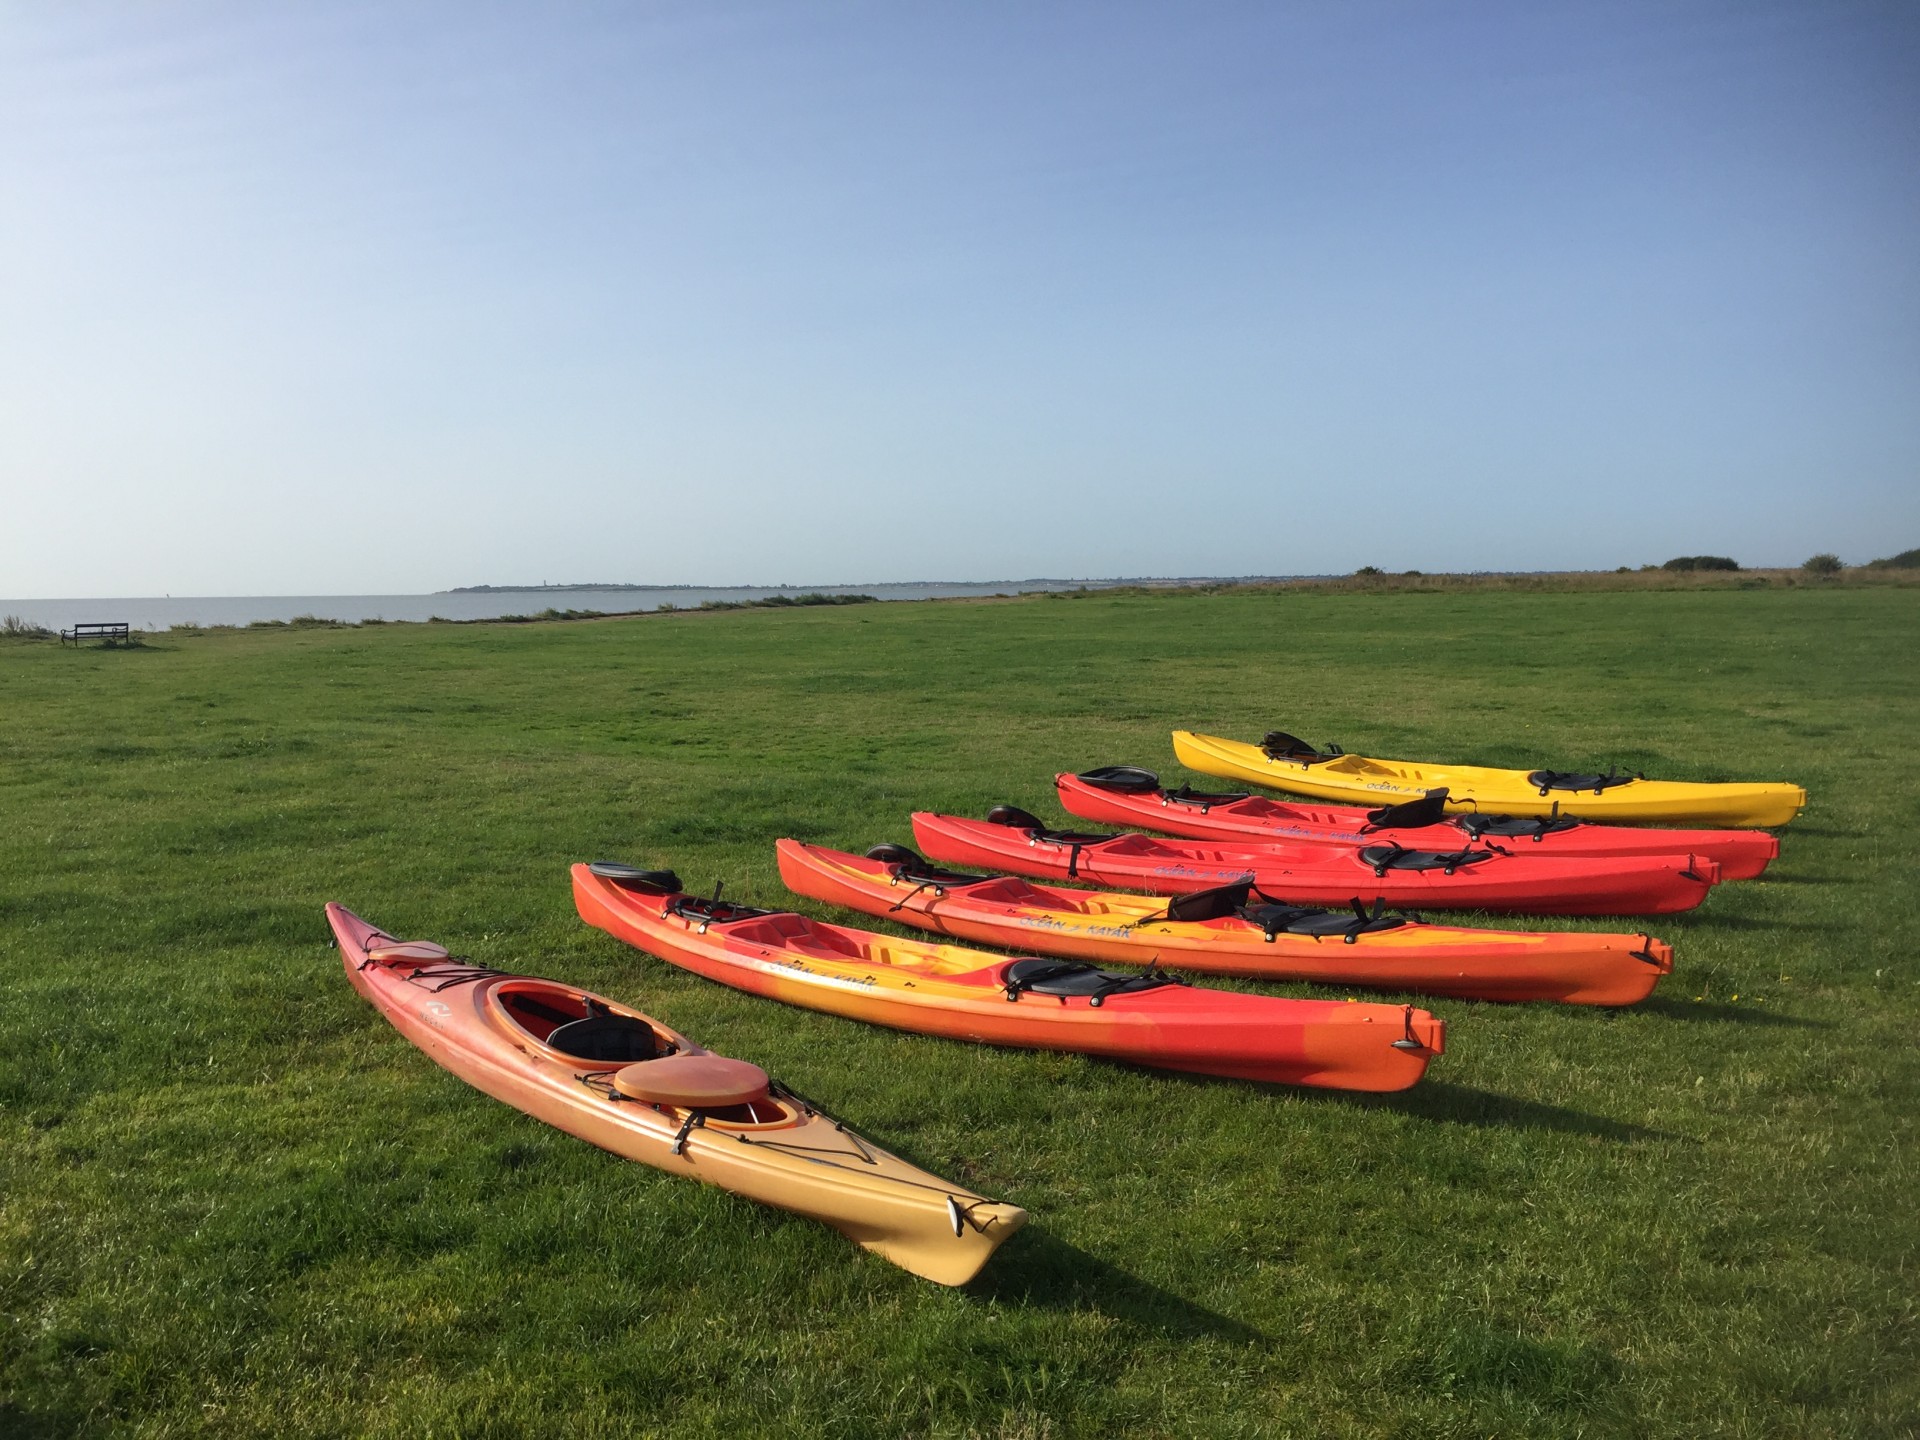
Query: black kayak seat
x=906 y=863
x=1214 y=904
x=1127 y=779
x=1546 y=780
x=1013 y=817
x=610 y=1039
x=632 y=877
x=1510 y=827
x=1306 y=920
x=1074 y=978
x=1204 y=800
x=1395 y=857
x=1279 y=745
x=1429 y=809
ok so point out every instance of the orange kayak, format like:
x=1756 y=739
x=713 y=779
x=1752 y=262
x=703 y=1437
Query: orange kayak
x=625 y=1082
x=992 y=999
x=1229 y=931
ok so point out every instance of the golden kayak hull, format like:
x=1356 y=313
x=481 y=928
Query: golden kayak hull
x=1362 y=780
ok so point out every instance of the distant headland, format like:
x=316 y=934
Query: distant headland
x=983 y=584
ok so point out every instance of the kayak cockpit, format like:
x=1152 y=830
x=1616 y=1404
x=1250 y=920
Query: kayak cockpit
x=578 y=1026
x=796 y=934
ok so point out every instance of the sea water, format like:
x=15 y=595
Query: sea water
x=160 y=612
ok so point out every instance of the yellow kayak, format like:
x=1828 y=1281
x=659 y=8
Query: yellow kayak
x=1285 y=763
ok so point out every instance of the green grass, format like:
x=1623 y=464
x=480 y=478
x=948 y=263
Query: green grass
x=234 y=1202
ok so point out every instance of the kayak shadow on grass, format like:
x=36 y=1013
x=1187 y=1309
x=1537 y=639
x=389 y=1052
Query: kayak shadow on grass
x=1681 y=924
x=1448 y=1103
x=1036 y=1268
x=1452 y=1104
x=1673 y=1007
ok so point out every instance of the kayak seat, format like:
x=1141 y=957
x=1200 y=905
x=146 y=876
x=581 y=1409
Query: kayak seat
x=610 y=1039
x=1204 y=800
x=1126 y=844
x=784 y=930
x=1011 y=890
x=1305 y=920
x=1397 y=857
x=1015 y=818
x=1515 y=826
x=1072 y=978
x=1545 y=780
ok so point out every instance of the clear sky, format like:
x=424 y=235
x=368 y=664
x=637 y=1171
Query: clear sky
x=376 y=297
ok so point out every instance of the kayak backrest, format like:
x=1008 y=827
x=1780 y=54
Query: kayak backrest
x=632 y=877
x=1279 y=745
x=1014 y=818
x=903 y=862
x=1429 y=809
x=1214 y=904
x=1127 y=779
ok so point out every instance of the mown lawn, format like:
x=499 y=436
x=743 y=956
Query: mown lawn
x=233 y=1201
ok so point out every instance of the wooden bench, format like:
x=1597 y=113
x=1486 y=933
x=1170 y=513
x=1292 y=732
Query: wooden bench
x=109 y=631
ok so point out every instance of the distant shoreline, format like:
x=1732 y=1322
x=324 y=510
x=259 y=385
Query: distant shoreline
x=1156 y=580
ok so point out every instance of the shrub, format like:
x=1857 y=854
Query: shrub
x=1905 y=560
x=15 y=628
x=1701 y=562
x=1821 y=564
x=1369 y=570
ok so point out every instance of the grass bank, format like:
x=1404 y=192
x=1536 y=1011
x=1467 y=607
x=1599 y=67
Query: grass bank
x=233 y=1201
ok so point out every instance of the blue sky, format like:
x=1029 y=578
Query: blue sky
x=393 y=297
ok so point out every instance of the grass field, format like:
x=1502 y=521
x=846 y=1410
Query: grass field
x=233 y=1201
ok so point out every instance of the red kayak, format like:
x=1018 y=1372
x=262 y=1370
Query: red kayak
x=1228 y=932
x=1304 y=874
x=1149 y=1019
x=1124 y=795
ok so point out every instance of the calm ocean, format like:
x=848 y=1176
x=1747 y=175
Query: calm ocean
x=159 y=612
